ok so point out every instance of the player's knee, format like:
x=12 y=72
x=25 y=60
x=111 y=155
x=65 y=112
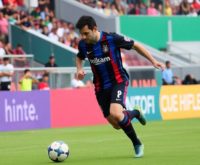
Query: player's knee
x=116 y=111
x=117 y=115
x=113 y=122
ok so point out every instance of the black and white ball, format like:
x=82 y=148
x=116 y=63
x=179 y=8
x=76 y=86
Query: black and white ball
x=58 y=151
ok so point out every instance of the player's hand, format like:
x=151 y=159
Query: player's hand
x=158 y=65
x=80 y=74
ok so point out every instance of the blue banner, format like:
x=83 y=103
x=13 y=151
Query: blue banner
x=147 y=99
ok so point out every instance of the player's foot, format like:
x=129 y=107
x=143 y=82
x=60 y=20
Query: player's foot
x=139 y=150
x=141 y=117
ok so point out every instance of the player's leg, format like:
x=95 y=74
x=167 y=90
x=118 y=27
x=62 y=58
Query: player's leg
x=123 y=120
x=104 y=98
x=120 y=95
x=122 y=117
x=117 y=113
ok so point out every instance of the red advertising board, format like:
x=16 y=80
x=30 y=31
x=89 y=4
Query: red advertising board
x=74 y=107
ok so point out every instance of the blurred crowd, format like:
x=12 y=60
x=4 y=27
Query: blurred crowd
x=41 y=19
x=145 y=7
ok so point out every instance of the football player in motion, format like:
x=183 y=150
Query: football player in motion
x=110 y=78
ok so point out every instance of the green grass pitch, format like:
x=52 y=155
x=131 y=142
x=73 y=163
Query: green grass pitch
x=166 y=143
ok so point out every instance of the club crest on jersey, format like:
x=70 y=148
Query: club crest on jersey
x=105 y=48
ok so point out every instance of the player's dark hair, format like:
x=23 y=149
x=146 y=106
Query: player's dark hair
x=86 y=20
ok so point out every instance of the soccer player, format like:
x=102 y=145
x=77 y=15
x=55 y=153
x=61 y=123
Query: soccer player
x=110 y=78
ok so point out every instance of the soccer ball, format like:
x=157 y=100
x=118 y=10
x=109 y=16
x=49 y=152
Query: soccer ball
x=58 y=151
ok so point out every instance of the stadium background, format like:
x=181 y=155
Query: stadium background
x=76 y=110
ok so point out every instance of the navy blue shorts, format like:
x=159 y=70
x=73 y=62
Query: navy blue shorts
x=115 y=94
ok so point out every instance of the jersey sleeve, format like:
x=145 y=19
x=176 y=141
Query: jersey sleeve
x=80 y=53
x=122 y=42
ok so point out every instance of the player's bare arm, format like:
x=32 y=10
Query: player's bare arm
x=79 y=66
x=141 y=50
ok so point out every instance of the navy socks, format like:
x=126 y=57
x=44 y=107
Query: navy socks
x=127 y=127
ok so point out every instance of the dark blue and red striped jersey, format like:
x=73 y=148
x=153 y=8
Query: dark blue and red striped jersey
x=105 y=59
